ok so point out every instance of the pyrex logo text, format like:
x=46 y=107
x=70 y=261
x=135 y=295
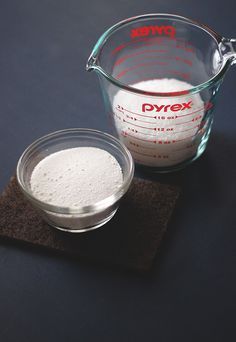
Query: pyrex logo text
x=149 y=107
x=153 y=30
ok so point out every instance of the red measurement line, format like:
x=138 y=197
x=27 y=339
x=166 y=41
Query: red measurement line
x=122 y=46
x=175 y=58
x=157 y=129
x=129 y=111
x=188 y=129
x=123 y=72
x=150 y=135
x=180 y=116
x=144 y=58
x=187 y=46
x=154 y=122
x=132 y=136
x=150 y=42
x=143 y=154
x=147 y=122
x=122 y=59
x=143 y=146
x=182 y=123
x=155 y=141
x=155 y=117
x=131 y=123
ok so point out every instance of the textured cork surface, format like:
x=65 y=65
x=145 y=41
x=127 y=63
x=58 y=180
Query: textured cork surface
x=130 y=240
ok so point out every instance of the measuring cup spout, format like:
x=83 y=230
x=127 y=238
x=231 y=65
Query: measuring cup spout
x=228 y=49
x=91 y=63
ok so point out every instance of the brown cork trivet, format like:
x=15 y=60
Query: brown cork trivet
x=130 y=240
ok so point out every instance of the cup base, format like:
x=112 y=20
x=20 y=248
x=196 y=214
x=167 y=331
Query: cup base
x=81 y=230
x=172 y=168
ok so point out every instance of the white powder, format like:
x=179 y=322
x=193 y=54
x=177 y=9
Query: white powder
x=76 y=177
x=159 y=131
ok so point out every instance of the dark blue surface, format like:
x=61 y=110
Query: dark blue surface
x=190 y=295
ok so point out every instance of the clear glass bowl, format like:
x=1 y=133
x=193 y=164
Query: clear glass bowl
x=85 y=218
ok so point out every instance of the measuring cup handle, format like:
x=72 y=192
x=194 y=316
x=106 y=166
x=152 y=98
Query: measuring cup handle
x=228 y=49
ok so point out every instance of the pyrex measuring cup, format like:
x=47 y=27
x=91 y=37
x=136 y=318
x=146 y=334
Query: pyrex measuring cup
x=160 y=74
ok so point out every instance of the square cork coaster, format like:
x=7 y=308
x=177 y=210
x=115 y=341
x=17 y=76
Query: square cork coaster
x=129 y=240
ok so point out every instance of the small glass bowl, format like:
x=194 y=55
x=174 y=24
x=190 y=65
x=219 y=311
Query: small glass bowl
x=85 y=218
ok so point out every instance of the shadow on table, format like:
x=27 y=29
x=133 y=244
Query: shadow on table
x=218 y=157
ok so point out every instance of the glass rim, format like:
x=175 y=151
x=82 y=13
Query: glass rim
x=84 y=210
x=91 y=64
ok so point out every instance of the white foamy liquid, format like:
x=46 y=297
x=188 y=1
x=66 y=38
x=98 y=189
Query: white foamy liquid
x=76 y=177
x=162 y=137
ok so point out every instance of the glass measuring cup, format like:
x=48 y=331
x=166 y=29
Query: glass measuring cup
x=160 y=74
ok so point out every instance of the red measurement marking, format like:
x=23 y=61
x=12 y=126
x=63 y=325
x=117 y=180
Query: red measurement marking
x=160 y=142
x=129 y=111
x=185 y=45
x=125 y=134
x=138 y=132
x=158 y=129
x=155 y=122
x=176 y=58
x=198 y=110
x=184 y=148
x=159 y=156
x=181 y=44
x=155 y=57
x=166 y=142
x=166 y=72
x=183 y=123
x=197 y=118
x=182 y=40
x=123 y=45
x=159 y=117
x=143 y=154
x=189 y=129
x=141 y=146
x=131 y=123
x=125 y=71
x=151 y=43
x=184 y=60
x=185 y=48
x=135 y=119
x=122 y=59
